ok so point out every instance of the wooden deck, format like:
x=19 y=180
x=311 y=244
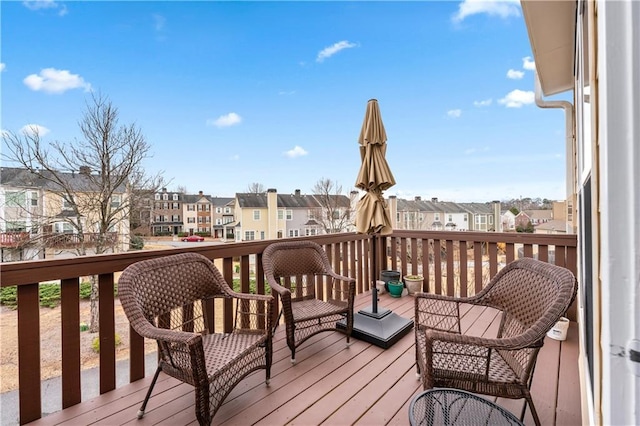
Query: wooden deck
x=334 y=385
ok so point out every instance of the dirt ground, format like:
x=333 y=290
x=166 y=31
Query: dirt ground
x=51 y=346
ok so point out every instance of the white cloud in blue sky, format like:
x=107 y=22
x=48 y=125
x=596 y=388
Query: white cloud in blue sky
x=454 y=113
x=515 y=74
x=500 y=8
x=51 y=80
x=517 y=98
x=33 y=129
x=2 y=66
x=483 y=103
x=329 y=51
x=528 y=63
x=46 y=4
x=296 y=151
x=226 y=120
x=159 y=21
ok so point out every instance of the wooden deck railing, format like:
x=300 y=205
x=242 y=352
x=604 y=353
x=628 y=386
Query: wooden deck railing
x=455 y=263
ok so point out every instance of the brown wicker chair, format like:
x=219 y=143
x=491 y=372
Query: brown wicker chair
x=294 y=270
x=532 y=295
x=170 y=300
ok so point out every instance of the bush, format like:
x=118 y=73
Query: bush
x=49 y=294
x=136 y=242
x=95 y=344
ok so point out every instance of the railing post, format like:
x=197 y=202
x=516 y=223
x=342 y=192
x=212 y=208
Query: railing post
x=29 y=353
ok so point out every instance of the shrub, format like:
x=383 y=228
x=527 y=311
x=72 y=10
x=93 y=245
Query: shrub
x=49 y=294
x=95 y=344
x=136 y=242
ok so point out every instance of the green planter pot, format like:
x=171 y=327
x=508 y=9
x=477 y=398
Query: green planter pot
x=395 y=288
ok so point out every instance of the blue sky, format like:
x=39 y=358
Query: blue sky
x=231 y=93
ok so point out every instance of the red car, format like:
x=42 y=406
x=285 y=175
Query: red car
x=193 y=238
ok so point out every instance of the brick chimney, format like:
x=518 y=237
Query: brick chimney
x=297 y=192
x=434 y=199
x=418 y=198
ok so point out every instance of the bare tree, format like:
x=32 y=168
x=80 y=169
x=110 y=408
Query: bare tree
x=255 y=188
x=181 y=189
x=92 y=179
x=336 y=214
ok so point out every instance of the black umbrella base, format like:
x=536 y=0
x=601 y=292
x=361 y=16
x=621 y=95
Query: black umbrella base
x=382 y=328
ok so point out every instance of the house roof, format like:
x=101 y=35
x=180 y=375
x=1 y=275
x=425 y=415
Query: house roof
x=290 y=201
x=221 y=201
x=551 y=26
x=22 y=178
x=553 y=225
x=540 y=214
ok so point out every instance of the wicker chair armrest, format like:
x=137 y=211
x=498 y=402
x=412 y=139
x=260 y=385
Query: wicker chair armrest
x=431 y=296
x=254 y=312
x=149 y=331
x=337 y=278
x=524 y=340
x=437 y=312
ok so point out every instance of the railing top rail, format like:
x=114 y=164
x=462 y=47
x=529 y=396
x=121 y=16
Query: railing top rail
x=566 y=240
x=33 y=271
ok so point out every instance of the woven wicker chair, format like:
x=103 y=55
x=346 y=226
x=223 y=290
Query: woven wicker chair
x=299 y=272
x=170 y=300
x=532 y=295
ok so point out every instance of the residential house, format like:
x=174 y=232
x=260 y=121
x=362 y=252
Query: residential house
x=484 y=216
x=587 y=52
x=508 y=219
x=42 y=218
x=197 y=214
x=223 y=218
x=167 y=214
x=257 y=216
x=452 y=216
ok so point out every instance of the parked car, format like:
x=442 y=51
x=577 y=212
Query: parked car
x=193 y=238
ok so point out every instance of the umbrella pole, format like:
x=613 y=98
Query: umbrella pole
x=374 y=288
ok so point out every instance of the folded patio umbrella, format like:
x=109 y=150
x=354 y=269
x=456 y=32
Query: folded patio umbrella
x=372 y=213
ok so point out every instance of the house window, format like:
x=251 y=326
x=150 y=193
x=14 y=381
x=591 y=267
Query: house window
x=280 y=214
x=490 y=220
x=165 y=197
x=18 y=226
x=262 y=235
x=227 y=209
x=175 y=218
x=289 y=214
x=175 y=197
x=175 y=206
x=115 y=201
x=34 y=199
x=436 y=216
x=157 y=197
x=165 y=206
x=218 y=221
x=294 y=233
x=14 y=199
x=191 y=220
x=256 y=215
x=67 y=204
x=249 y=235
x=191 y=208
x=310 y=231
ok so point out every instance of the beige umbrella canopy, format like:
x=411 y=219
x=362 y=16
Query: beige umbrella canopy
x=372 y=215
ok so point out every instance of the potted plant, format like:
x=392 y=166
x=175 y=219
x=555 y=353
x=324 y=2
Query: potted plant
x=414 y=283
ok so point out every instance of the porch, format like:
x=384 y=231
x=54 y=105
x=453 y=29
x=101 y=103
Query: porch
x=329 y=384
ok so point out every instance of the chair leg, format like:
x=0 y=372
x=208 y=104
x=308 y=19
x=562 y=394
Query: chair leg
x=146 y=398
x=534 y=413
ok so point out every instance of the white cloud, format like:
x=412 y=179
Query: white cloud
x=297 y=151
x=51 y=80
x=515 y=74
x=454 y=113
x=45 y=4
x=328 y=52
x=528 y=63
x=501 y=8
x=285 y=93
x=483 y=103
x=2 y=66
x=517 y=98
x=228 y=120
x=33 y=129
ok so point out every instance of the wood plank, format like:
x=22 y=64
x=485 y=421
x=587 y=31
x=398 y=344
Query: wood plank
x=70 y=319
x=107 y=333
x=569 y=402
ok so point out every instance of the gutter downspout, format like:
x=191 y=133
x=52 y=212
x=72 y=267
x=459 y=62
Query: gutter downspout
x=569 y=143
